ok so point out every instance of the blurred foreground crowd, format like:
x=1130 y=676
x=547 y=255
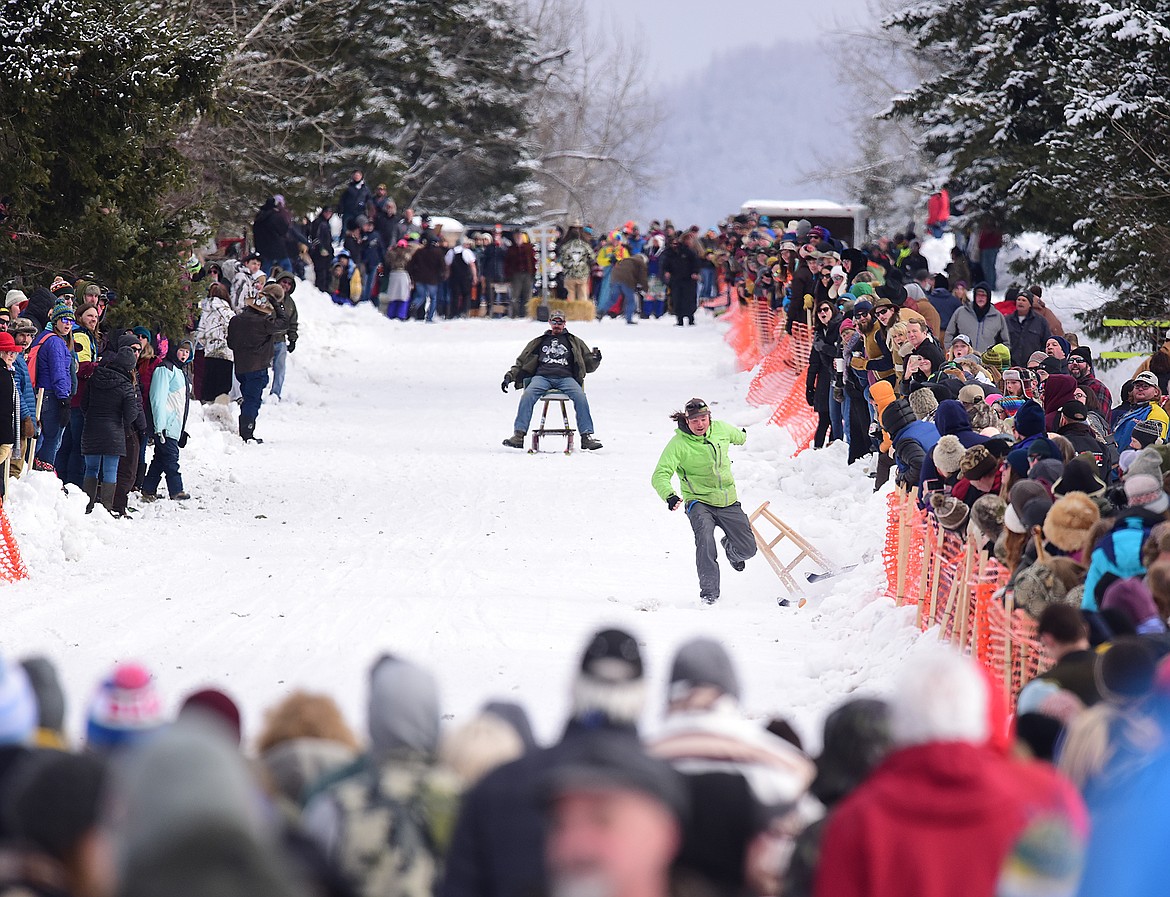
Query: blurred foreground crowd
x=928 y=792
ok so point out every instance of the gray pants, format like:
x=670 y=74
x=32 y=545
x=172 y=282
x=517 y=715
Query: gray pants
x=741 y=544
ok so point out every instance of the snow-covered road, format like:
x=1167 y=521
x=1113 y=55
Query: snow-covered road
x=382 y=514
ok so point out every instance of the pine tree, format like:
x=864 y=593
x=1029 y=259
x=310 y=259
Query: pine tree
x=1056 y=118
x=94 y=95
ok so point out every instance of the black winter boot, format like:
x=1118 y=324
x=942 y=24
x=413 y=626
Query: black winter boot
x=106 y=496
x=517 y=440
x=90 y=486
x=248 y=430
x=589 y=443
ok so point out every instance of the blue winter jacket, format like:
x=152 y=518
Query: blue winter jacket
x=28 y=396
x=922 y=434
x=945 y=303
x=168 y=399
x=54 y=365
x=1118 y=554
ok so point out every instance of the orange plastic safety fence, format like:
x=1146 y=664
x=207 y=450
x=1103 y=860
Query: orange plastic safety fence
x=12 y=567
x=960 y=590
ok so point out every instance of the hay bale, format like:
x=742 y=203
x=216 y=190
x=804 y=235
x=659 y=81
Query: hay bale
x=574 y=311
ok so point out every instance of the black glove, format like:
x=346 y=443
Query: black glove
x=64 y=406
x=672 y=501
x=292 y=345
x=597 y=353
x=183 y=437
x=506 y=383
x=839 y=393
x=810 y=396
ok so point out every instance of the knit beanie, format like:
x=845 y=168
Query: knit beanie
x=998 y=356
x=1083 y=352
x=125 y=710
x=1035 y=512
x=1145 y=492
x=610 y=683
x=1030 y=419
x=1046 y=471
x=1037 y=358
x=862 y=289
x=949 y=511
x=948 y=455
x=14 y=297
x=1133 y=599
x=54 y=798
x=1069 y=520
x=1147 y=462
x=1125 y=672
x=1147 y=432
x=703 y=661
x=61 y=287
x=924 y=403
x=1021 y=493
x=60 y=311
x=18 y=705
x=977 y=463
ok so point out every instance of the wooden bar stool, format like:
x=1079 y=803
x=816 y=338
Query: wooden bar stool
x=568 y=432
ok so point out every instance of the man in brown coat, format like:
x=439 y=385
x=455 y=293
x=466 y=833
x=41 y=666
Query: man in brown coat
x=630 y=277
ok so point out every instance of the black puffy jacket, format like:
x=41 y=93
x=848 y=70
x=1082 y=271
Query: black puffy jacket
x=111 y=406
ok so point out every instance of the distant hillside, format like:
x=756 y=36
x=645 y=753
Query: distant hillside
x=753 y=125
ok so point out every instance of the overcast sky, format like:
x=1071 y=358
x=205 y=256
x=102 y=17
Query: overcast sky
x=680 y=37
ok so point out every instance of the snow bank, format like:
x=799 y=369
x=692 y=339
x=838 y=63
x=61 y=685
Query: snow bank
x=382 y=513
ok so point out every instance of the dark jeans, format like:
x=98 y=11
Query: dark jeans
x=52 y=428
x=741 y=543
x=252 y=386
x=70 y=462
x=127 y=472
x=165 y=461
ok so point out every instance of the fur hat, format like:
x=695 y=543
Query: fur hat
x=987 y=516
x=1069 y=520
x=924 y=402
x=977 y=463
x=950 y=512
x=948 y=455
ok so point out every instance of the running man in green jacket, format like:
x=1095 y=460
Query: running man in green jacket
x=698 y=454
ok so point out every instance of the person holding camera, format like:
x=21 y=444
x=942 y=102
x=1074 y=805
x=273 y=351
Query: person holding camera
x=555 y=360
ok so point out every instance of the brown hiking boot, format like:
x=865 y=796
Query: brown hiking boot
x=517 y=440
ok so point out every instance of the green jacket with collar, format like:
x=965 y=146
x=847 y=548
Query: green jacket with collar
x=702 y=463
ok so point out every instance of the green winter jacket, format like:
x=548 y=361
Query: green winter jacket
x=584 y=361
x=703 y=465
